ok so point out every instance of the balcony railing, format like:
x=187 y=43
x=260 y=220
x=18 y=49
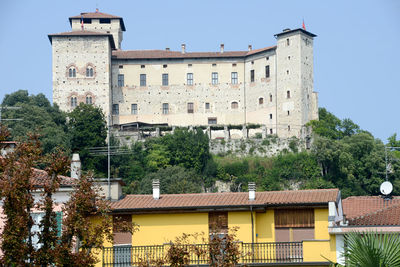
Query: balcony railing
x=250 y=253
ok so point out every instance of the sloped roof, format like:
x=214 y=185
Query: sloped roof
x=83 y=33
x=97 y=15
x=361 y=205
x=388 y=216
x=41 y=176
x=226 y=200
x=158 y=54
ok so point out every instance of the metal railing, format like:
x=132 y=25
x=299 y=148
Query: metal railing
x=199 y=254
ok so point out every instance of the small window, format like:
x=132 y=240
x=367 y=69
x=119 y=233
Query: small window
x=287 y=94
x=165 y=108
x=212 y=120
x=267 y=71
x=267 y=58
x=165 y=79
x=189 y=65
x=115 y=109
x=270 y=116
x=287 y=42
x=214 y=65
x=142 y=79
x=234 y=78
x=288 y=112
x=74 y=102
x=288 y=57
x=134 y=110
x=234 y=105
x=234 y=65
x=88 y=100
x=207 y=106
x=252 y=76
x=214 y=78
x=261 y=101
x=142 y=66
x=72 y=72
x=164 y=66
x=121 y=66
x=89 y=72
x=87 y=21
x=288 y=128
x=120 y=80
x=190 y=107
x=189 y=79
x=287 y=72
x=105 y=21
x=270 y=131
x=252 y=63
x=270 y=97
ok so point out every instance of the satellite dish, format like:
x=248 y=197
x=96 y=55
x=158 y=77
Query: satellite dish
x=386 y=188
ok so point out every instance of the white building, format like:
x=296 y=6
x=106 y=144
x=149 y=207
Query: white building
x=271 y=86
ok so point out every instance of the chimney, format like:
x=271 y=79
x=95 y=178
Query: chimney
x=156 y=189
x=252 y=191
x=167 y=49
x=183 y=48
x=222 y=48
x=75 y=166
x=250 y=47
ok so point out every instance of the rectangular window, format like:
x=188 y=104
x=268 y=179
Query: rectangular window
x=190 y=107
x=134 y=109
x=142 y=79
x=267 y=71
x=252 y=76
x=115 y=109
x=121 y=235
x=165 y=79
x=207 y=106
x=189 y=79
x=214 y=78
x=120 y=80
x=212 y=120
x=105 y=21
x=288 y=94
x=218 y=223
x=234 y=78
x=270 y=116
x=165 y=108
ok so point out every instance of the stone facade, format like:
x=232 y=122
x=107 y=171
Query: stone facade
x=272 y=86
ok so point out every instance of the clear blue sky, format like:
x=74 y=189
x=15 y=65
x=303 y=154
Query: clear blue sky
x=356 y=53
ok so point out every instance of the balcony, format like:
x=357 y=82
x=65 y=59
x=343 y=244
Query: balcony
x=250 y=254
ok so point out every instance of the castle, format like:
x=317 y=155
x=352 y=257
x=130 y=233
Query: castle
x=271 y=86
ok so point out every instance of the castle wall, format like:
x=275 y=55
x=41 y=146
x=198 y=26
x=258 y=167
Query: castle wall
x=79 y=53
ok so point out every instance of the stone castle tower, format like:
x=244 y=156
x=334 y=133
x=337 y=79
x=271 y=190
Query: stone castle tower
x=271 y=86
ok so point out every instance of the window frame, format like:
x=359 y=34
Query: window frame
x=164 y=78
x=121 y=80
x=234 y=105
x=73 y=101
x=189 y=78
x=234 y=77
x=211 y=120
x=190 y=107
x=165 y=108
x=214 y=78
x=143 y=80
x=89 y=100
x=267 y=71
x=252 y=76
x=134 y=111
x=115 y=109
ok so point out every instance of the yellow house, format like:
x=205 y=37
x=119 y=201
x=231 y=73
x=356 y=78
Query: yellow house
x=288 y=228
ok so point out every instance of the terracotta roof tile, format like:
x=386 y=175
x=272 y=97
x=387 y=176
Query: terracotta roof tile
x=98 y=15
x=362 y=205
x=204 y=200
x=156 y=54
x=41 y=176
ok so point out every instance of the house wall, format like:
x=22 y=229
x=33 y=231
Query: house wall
x=265 y=230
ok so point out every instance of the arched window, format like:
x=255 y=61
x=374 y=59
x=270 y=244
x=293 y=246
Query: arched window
x=72 y=72
x=89 y=99
x=288 y=94
x=270 y=97
x=89 y=72
x=234 y=105
x=74 y=101
x=261 y=101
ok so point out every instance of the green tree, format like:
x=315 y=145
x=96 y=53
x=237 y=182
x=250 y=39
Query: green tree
x=173 y=180
x=372 y=249
x=38 y=116
x=87 y=129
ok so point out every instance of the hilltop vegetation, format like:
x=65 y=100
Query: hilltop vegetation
x=342 y=154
